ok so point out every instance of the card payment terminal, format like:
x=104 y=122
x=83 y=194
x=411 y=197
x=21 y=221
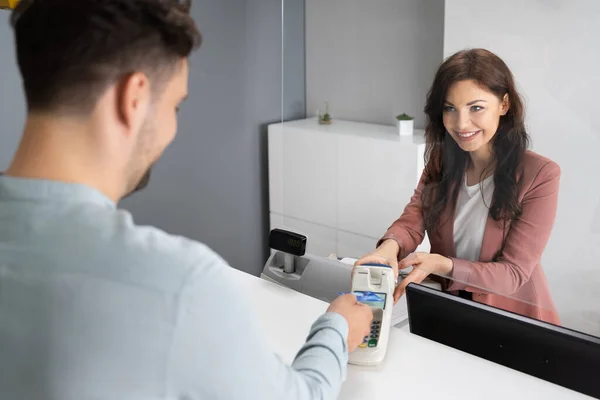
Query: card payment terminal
x=374 y=284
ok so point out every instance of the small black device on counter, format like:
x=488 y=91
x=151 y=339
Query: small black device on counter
x=287 y=242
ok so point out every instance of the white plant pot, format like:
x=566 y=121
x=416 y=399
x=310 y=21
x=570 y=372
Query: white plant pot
x=406 y=128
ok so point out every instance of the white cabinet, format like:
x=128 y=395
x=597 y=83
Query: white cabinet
x=341 y=185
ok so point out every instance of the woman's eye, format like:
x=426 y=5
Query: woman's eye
x=476 y=108
x=448 y=108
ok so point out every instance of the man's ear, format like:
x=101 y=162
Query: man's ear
x=505 y=104
x=134 y=101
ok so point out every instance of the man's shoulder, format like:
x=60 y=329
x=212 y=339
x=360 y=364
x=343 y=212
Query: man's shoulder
x=158 y=243
x=153 y=254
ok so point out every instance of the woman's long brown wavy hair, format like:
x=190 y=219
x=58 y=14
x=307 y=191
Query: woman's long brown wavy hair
x=446 y=162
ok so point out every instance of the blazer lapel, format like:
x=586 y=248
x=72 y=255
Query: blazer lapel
x=493 y=237
x=446 y=229
x=486 y=253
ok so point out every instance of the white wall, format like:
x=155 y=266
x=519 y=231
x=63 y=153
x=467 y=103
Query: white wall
x=553 y=50
x=372 y=59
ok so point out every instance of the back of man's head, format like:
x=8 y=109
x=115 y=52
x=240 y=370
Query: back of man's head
x=70 y=51
x=103 y=81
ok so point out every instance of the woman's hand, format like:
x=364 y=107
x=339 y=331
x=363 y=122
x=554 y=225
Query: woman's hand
x=386 y=253
x=423 y=265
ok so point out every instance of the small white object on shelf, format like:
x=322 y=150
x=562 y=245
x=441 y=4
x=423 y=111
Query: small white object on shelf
x=406 y=127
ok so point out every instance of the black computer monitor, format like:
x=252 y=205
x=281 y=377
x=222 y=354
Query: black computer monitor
x=550 y=352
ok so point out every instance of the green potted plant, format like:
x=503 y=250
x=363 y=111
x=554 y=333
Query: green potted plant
x=325 y=119
x=405 y=124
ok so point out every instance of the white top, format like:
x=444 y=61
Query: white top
x=472 y=209
x=414 y=367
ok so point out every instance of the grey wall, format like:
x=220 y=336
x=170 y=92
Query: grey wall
x=552 y=49
x=263 y=106
x=211 y=183
x=294 y=60
x=372 y=59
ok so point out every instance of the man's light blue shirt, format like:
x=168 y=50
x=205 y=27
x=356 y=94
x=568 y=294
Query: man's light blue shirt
x=94 y=307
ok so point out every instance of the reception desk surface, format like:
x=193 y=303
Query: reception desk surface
x=414 y=368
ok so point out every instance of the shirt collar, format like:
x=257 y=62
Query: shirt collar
x=47 y=190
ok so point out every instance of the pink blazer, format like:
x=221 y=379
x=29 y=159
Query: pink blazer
x=515 y=281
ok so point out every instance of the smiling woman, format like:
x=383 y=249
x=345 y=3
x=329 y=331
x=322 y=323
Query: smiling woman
x=487 y=203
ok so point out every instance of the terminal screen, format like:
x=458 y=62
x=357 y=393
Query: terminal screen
x=371 y=299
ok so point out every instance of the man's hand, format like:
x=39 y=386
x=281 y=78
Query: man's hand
x=359 y=317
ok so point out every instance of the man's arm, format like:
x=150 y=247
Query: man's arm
x=220 y=352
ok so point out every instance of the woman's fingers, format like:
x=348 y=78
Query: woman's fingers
x=416 y=275
x=410 y=260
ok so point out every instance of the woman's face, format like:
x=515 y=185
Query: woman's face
x=472 y=114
